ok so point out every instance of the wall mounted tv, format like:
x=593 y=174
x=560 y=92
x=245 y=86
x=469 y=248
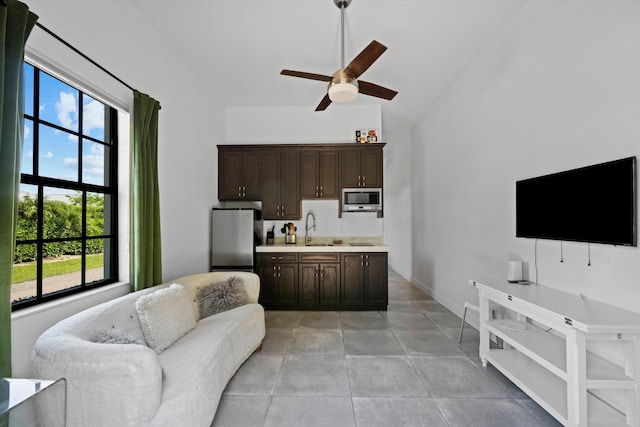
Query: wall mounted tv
x=595 y=204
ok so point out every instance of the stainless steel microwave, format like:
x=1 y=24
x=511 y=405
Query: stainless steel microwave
x=361 y=199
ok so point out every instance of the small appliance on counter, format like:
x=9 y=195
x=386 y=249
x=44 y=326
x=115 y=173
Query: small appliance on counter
x=289 y=231
x=271 y=236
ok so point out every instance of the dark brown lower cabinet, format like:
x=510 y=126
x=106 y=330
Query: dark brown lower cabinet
x=278 y=280
x=319 y=280
x=323 y=281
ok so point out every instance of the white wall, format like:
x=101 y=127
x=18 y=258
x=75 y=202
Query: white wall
x=557 y=89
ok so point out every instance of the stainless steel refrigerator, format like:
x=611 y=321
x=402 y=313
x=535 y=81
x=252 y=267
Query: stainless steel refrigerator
x=234 y=236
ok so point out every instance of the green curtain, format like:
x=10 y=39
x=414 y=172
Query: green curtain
x=146 y=256
x=16 y=23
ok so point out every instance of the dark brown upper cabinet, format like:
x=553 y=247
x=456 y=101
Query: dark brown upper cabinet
x=319 y=174
x=239 y=174
x=361 y=166
x=281 y=184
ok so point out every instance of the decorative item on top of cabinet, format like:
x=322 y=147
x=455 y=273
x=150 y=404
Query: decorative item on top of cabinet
x=238 y=174
x=319 y=173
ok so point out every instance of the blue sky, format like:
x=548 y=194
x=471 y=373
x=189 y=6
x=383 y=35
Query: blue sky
x=58 y=151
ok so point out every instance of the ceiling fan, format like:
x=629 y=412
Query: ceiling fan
x=344 y=84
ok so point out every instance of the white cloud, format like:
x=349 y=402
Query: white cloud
x=27 y=132
x=30 y=153
x=48 y=155
x=73 y=138
x=67 y=109
x=71 y=162
x=41 y=108
x=93 y=165
x=97 y=149
x=93 y=116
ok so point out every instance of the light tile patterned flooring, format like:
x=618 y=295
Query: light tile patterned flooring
x=403 y=367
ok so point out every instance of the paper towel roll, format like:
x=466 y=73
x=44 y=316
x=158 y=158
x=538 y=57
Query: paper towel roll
x=514 y=271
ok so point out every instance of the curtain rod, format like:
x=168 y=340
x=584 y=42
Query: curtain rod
x=61 y=40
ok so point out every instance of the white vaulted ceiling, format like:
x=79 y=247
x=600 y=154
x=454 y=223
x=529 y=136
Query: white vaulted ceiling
x=240 y=46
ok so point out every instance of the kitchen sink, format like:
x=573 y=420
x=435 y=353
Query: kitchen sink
x=361 y=244
x=318 y=244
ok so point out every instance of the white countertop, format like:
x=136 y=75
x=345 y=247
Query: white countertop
x=323 y=244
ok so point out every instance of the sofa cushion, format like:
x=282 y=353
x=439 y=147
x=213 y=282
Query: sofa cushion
x=221 y=296
x=166 y=315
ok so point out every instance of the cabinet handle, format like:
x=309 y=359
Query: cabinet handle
x=321 y=191
x=274 y=271
x=359 y=181
x=316 y=268
x=239 y=191
x=244 y=191
x=282 y=210
x=364 y=180
x=279 y=214
x=279 y=271
x=322 y=272
x=317 y=192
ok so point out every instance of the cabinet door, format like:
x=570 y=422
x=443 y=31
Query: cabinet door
x=271 y=185
x=351 y=286
x=268 y=284
x=309 y=274
x=350 y=168
x=376 y=282
x=371 y=164
x=328 y=179
x=309 y=173
x=252 y=168
x=290 y=184
x=230 y=175
x=329 y=284
x=288 y=284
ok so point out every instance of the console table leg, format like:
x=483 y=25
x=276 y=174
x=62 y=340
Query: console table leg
x=632 y=370
x=576 y=378
x=483 y=303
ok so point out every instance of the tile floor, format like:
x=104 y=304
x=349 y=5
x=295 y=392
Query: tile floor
x=403 y=367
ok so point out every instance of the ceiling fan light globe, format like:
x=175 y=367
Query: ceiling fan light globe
x=343 y=92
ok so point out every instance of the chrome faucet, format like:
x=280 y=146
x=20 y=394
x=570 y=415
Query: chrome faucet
x=307 y=235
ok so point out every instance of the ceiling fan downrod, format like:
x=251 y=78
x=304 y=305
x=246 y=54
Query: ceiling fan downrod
x=342 y=5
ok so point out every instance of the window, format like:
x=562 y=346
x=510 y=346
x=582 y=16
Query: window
x=67 y=215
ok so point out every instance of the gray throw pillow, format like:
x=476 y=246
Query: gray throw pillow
x=222 y=296
x=115 y=336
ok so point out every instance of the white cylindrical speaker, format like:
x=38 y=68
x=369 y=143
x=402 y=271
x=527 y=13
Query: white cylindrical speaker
x=514 y=271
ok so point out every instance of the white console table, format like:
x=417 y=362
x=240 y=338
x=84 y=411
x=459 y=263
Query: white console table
x=554 y=368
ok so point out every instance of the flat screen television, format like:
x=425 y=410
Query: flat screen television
x=595 y=204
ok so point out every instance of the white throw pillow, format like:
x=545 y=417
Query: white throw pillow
x=166 y=315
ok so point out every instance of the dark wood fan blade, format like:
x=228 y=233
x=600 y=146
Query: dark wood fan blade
x=304 y=75
x=363 y=61
x=324 y=103
x=372 y=89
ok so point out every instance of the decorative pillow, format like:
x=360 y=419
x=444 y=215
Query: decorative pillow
x=166 y=316
x=222 y=296
x=115 y=336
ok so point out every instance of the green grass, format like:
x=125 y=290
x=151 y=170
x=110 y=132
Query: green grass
x=23 y=273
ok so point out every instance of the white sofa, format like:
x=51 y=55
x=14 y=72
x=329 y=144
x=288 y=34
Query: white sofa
x=130 y=385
